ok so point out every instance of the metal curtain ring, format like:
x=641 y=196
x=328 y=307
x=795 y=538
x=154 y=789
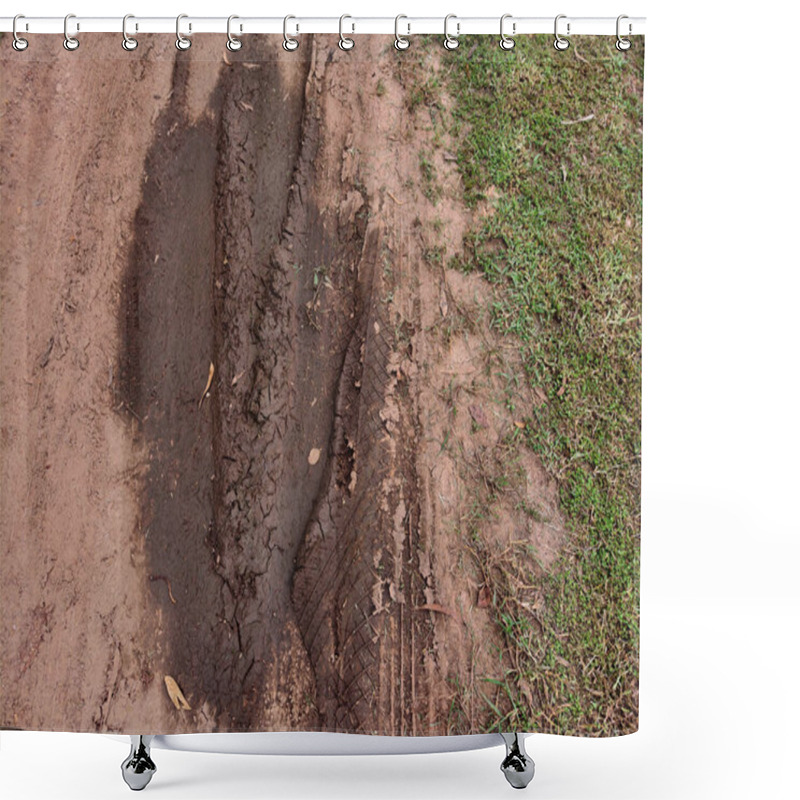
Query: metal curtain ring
x=506 y=42
x=450 y=42
x=560 y=43
x=181 y=42
x=128 y=42
x=623 y=44
x=234 y=43
x=289 y=42
x=70 y=42
x=400 y=42
x=344 y=42
x=18 y=43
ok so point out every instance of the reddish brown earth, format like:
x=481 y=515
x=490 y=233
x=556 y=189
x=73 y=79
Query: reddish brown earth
x=292 y=550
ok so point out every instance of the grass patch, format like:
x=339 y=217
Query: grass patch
x=549 y=146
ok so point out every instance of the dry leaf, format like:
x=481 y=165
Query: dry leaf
x=314 y=455
x=175 y=694
x=443 y=305
x=208 y=384
x=540 y=398
x=436 y=607
x=560 y=392
x=484 y=597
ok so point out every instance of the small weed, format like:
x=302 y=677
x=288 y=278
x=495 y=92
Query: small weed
x=430 y=180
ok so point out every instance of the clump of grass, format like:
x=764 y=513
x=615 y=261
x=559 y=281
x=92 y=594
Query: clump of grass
x=430 y=179
x=550 y=151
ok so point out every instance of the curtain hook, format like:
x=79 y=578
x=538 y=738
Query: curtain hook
x=450 y=42
x=506 y=42
x=234 y=42
x=18 y=43
x=128 y=42
x=182 y=43
x=289 y=42
x=70 y=42
x=344 y=42
x=400 y=42
x=623 y=44
x=560 y=43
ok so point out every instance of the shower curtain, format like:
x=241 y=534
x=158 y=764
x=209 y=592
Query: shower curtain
x=320 y=386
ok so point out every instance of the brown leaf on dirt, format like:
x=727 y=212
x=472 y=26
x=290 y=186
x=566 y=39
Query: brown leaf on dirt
x=208 y=384
x=175 y=694
x=539 y=396
x=439 y=609
x=484 y=596
x=45 y=357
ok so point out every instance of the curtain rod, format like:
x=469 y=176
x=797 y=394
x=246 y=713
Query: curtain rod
x=408 y=26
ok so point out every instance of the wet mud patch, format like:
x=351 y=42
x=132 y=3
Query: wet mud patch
x=196 y=288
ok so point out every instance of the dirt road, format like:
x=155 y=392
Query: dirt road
x=292 y=549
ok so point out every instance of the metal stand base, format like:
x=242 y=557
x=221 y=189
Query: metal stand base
x=138 y=768
x=517 y=766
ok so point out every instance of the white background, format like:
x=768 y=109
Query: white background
x=721 y=538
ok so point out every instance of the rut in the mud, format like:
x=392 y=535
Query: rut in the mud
x=270 y=553
x=205 y=525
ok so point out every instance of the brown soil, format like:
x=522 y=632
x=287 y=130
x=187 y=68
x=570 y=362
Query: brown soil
x=294 y=549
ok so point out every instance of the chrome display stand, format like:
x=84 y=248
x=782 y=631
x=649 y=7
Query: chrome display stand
x=138 y=768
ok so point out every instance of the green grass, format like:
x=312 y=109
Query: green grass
x=559 y=238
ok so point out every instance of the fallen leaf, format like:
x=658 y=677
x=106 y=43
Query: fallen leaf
x=314 y=455
x=208 y=384
x=175 y=694
x=587 y=118
x=237 y=378
x=443 y=305
x=437 y=608
x=560 y=392
x=45 y=357
x=484 y=597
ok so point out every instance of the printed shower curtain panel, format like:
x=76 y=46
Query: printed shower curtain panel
x=320 y=386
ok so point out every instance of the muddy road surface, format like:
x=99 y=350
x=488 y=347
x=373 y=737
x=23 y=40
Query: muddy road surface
x=291 y=545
